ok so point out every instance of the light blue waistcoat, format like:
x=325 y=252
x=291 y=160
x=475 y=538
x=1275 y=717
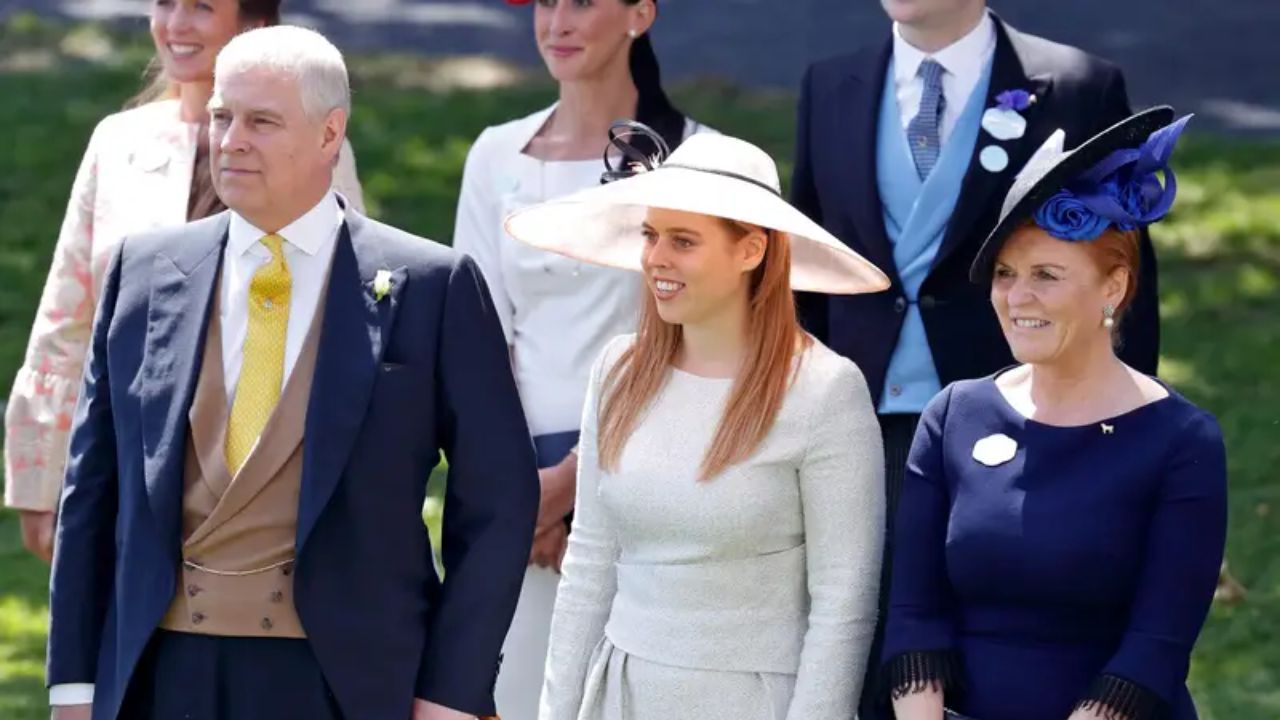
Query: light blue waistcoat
x=916 y=215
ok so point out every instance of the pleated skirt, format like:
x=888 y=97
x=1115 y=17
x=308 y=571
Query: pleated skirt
x=620 y=686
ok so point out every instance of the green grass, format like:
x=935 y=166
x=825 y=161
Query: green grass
x=1220 y=293
x=23 y=624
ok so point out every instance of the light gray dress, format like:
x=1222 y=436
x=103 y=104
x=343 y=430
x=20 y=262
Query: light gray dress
x=750 y=596
x=557 y=314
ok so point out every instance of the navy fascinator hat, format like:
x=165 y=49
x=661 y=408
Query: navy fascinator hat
x=1119 y=178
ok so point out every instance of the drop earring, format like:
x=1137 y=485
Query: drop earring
x=1108 y=316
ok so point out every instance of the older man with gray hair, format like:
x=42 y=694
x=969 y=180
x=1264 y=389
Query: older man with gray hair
x=267 y=390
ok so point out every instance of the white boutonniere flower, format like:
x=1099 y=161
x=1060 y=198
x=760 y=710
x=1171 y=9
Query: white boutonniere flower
x=381 y=284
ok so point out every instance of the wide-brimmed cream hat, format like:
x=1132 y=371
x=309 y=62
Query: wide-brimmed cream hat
x=709 y=174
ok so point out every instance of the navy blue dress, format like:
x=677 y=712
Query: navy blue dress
x=1079 y=570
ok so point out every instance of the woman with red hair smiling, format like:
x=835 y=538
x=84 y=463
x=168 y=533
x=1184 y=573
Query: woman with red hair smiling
x=1062 y=522
x=724 y=560
x=558 y=313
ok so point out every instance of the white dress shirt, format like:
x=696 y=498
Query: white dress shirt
x=309 y=243
x=964 y=62
x=308 y=251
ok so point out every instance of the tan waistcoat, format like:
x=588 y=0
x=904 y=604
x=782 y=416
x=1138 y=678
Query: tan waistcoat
x=239 y=533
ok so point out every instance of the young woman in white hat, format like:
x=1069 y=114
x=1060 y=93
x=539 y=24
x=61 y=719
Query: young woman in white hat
x=724 y=559
x=558 y=313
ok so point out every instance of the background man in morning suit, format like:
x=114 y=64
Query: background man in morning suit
x=905 y=151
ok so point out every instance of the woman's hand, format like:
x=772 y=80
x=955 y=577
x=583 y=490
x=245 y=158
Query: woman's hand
x=549 y=545
x=558 y=485
x=923 y=705
x=37 y=533
x=423 y=710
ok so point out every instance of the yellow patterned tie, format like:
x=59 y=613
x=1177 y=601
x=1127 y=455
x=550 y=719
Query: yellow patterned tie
x=262 y=371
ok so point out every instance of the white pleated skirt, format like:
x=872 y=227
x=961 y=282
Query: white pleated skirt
x=625 y=687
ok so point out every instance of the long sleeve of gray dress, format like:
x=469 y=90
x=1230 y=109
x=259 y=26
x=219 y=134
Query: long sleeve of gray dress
x=588 y=579
x=842 y=490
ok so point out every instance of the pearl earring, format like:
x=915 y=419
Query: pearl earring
x=1108 y=316
x=631 y=34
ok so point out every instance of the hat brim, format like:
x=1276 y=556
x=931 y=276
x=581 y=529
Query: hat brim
x=604 y=226
x=1028 y=193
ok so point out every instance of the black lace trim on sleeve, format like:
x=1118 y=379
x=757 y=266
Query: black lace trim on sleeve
x=915 y=672
x=1118 y=699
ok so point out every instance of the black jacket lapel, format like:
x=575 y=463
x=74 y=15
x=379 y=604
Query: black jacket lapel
x=860 y=97
x=352 y=342
x=182 y=285
x=1010 y=70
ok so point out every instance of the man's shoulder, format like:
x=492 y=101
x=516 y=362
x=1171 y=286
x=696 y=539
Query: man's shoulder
x=838 y=67
x=166 y=255
x=185 y=245
x=1065 y=63
x=415 y=253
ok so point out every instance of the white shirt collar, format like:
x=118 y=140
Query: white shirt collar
x=308 y=233
x=965 y=57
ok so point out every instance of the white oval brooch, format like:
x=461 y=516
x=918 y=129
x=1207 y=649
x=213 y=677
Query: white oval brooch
x=1004 y=124
x=994 y=450
x=993 y=158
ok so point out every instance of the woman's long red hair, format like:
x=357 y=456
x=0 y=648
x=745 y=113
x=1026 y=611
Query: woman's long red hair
x=774 y=334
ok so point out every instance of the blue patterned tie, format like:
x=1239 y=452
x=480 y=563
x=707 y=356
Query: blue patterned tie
x=922 y=131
